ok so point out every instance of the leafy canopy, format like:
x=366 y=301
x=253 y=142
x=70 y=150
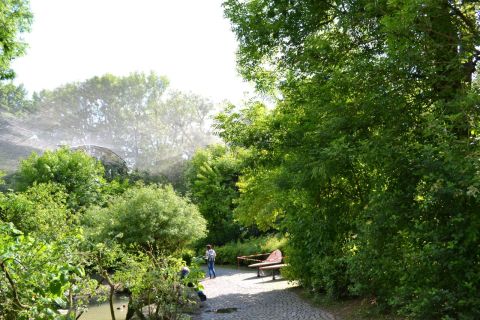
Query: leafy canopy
x=375 y=142
x=147 y=124
x=15 y=18
x=80 y=174
x=212 y=176
x=149 y=216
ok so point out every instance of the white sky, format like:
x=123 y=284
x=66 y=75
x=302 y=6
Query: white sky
x=188 y=41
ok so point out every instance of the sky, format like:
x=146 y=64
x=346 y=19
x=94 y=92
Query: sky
x=189 y=41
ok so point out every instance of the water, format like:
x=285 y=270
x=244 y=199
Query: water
x=102 y=311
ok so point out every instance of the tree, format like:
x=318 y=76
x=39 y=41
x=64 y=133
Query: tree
x=211 y=177
x=157 y=290
x=14 y=99
x=262 y=186
x=80 y=175
x=376 y=135
x=135 y=116
x=15 y=19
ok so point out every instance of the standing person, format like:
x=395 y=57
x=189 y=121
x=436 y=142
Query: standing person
x=210 y=255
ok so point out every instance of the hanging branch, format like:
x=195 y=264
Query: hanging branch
x=12 y=285
x=469 y=23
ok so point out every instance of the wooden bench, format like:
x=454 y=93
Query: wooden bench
x=274 y=267
x=274 y=258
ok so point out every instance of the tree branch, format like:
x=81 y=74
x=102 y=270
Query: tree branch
x=78 y=317
x=14 y=288
x=471 y=26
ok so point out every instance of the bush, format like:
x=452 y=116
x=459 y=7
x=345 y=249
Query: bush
x=149 y=215
x=228 y=253
x=157 y=289
x=40 y=210
x=36 y=277
x=187 y=256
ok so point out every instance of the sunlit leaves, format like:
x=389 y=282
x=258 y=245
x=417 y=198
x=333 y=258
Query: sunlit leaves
x=376 y=137
x=211 y=177
x=41 y=210
x=80 y=174
x=35 y=275
x=15 y=18
x=150 y=216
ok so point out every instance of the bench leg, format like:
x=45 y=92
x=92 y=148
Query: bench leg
x=258 y=272
x=273 y=274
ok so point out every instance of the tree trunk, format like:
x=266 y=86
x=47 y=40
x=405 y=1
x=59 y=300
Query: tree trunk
x=112 y=292
x=131 y=310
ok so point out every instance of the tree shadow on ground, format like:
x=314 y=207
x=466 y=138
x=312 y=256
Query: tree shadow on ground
x=274 y=304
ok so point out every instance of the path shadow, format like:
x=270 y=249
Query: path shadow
x=226 y=270
x=277 y=279
x=272 y=305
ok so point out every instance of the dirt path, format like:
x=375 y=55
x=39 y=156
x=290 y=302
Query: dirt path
x=244 y=296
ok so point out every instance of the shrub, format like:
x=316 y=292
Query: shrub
x=228 y=253
x=38 y=278
x=40 y=210
x=149 y=215
x=156 y=287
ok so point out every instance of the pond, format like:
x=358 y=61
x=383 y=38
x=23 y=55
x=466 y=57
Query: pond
x=101 y=311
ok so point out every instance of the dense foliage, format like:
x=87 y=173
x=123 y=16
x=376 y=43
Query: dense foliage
x=368 y=164
x=80 y=174
x=66 y=232
x=37 y=278
x=156 y=284
x=15 y=19
x=69 y=229
x=373 y=146
x=149 y=216
x=211 y=177
x=41 y=210
x=13 y=99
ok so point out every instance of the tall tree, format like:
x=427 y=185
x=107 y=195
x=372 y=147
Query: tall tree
x=148 y=126
x=376 y=134
x=13 y=99
x=211 y=176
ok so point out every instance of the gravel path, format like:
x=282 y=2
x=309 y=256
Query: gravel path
x=254 y=298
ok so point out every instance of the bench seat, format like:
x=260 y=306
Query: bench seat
x=263 y=264
x=274 y=258
x=273 y=267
